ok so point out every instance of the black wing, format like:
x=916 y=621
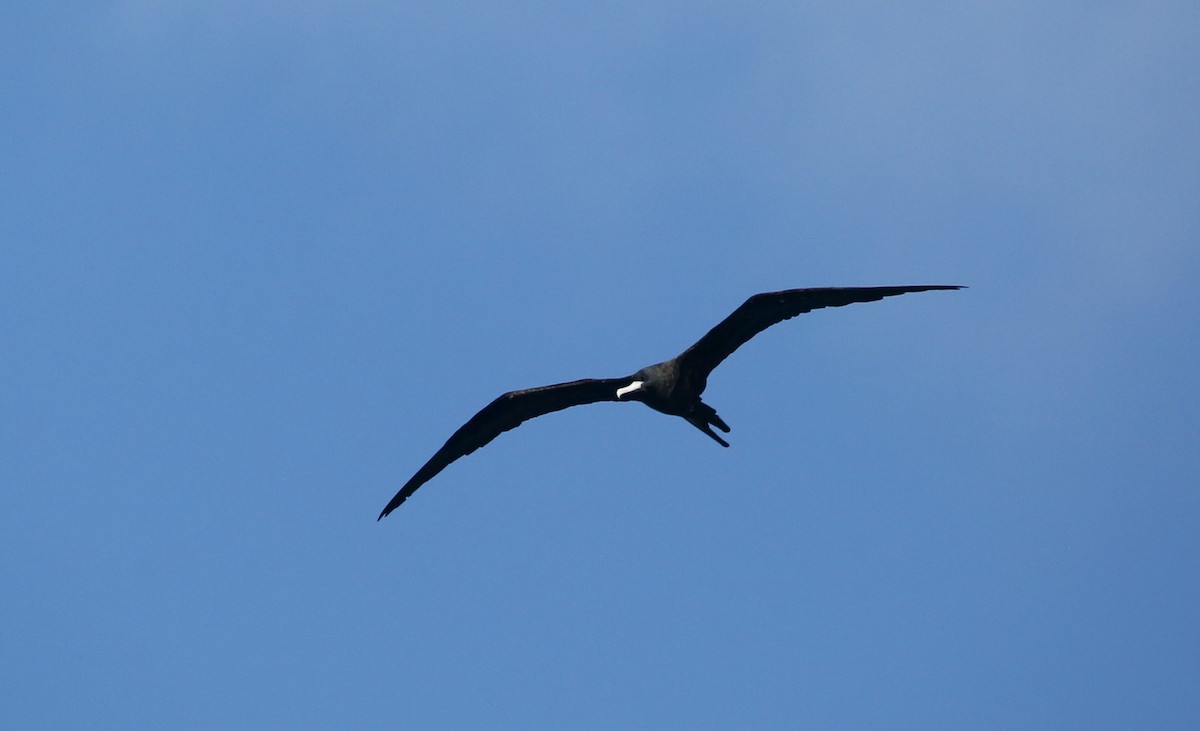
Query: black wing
x=507 y=412
x=762 y=311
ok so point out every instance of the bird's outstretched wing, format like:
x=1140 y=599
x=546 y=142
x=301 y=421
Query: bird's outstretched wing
x=507 y=412
x=762 y=311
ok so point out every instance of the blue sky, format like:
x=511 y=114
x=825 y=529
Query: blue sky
x=260 y=259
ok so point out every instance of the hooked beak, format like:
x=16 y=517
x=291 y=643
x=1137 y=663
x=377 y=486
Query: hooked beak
x=629 y=389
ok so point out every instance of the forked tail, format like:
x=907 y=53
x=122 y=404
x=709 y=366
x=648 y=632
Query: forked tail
x=704 y=418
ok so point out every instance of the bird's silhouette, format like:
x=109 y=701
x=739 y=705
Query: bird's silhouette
x=672 y=387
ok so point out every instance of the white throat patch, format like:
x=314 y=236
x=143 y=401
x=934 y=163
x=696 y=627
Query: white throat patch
x=629 y=389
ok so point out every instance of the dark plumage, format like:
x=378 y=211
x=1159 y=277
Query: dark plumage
x=672 y=387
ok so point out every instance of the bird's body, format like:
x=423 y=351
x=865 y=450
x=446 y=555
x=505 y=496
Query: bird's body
x=672 y=387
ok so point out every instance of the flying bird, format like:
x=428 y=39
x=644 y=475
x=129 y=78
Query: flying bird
x=671 y=387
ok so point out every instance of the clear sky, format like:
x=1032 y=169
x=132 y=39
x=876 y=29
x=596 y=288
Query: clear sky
x=259 y=259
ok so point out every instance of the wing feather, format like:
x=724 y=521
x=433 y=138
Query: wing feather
x=507 y=412
x=761 y=311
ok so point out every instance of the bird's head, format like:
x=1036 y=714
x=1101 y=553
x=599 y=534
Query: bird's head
x=630 y=391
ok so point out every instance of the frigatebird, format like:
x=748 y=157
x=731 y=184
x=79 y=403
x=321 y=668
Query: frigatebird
x=672 y=387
